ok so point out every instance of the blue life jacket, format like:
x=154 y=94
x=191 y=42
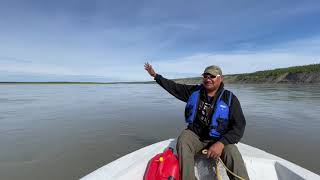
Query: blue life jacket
x=220 y=115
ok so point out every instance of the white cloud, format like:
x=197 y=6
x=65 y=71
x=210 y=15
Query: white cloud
x=300 y=52
x=234 y=63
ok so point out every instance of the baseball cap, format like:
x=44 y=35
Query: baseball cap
x=213 y=70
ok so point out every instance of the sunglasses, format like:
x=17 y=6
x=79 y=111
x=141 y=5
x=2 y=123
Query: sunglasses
x=210 y=76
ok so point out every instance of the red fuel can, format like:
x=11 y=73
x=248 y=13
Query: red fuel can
x=164 y=166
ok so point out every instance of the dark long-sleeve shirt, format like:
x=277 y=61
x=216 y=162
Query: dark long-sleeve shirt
x=237 y=122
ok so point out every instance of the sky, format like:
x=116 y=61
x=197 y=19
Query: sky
x=107 y=41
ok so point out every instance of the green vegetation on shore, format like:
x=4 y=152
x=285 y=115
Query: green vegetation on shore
x=296 y=74
x=280 y=71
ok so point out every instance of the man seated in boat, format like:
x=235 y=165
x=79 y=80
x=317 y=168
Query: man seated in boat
x=215 y=121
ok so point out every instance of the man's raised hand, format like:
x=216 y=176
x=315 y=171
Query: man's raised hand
x=150 y=70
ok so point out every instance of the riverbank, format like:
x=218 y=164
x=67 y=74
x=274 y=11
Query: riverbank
x=292 y=75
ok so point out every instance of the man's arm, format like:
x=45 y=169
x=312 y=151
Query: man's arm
x=180 y=91
x=237 y=124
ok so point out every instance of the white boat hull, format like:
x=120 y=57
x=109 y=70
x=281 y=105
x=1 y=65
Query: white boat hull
x=260 y=165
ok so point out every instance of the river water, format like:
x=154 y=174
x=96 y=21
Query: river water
x=67 y=131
